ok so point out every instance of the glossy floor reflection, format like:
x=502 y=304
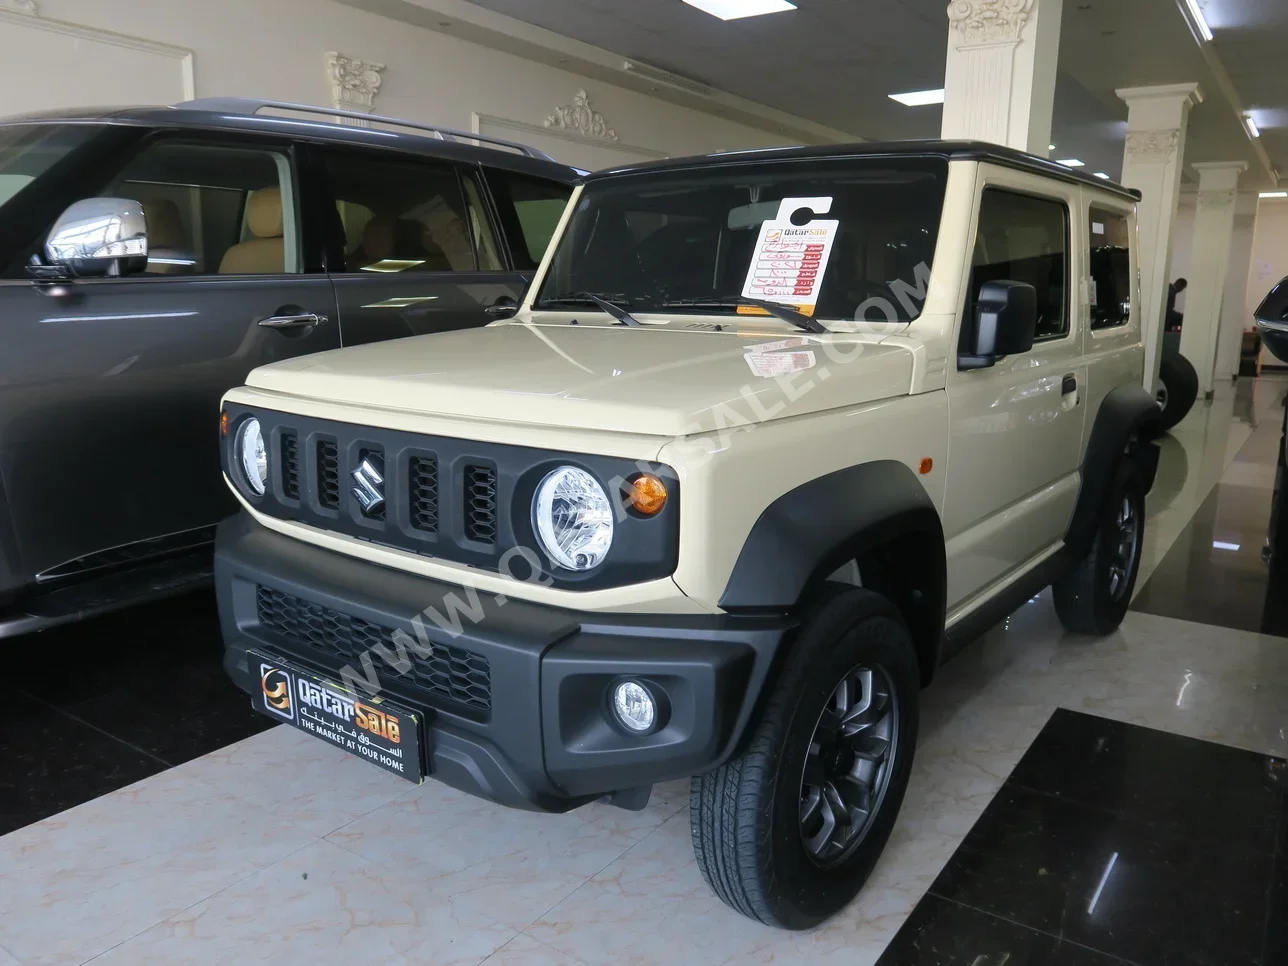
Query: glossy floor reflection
x=1114 y=843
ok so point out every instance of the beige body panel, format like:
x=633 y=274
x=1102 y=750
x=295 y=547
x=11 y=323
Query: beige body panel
x=1004 y=443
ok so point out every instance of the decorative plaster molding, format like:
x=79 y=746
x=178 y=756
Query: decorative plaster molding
x=579 y=118
x=354 y=82
x=988 y=21
x=1152 y=146
x=1217 y=198
x=22 y=6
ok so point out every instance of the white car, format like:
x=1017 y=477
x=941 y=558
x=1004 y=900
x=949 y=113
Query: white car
x=773 y=434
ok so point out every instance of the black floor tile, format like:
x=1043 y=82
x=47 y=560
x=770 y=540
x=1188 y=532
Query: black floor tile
x=50 y=762
x=1111 y=883
x=1211 y=793
x=943 y=933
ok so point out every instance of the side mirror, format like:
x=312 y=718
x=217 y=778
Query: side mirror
x=99 y=236
x=1272 y=320
x=1005 y=318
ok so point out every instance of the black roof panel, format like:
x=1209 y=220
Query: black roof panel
x=952 y=150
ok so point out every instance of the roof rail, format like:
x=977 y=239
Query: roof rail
x=252 y=106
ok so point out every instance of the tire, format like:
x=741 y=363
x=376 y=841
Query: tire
x=1178 y=388
x=1093 y=597
x=746 y=817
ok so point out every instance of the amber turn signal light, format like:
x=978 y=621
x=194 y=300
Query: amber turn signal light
x=647 y=494
x=927 y=464
x=223 y=424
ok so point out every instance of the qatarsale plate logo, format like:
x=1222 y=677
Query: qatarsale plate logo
x=276 y=685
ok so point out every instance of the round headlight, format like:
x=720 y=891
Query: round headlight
x=253 y=455
x=573 y=517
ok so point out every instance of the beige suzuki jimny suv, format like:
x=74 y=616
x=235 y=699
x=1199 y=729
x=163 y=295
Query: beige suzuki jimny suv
x=773 y=434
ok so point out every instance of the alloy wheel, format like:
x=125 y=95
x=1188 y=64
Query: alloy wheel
x=1126 y=541
x=848 y=765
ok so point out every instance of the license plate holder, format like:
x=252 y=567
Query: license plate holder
x=381 y=732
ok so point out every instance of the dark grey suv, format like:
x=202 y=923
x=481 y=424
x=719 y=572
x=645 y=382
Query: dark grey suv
x=151 y=257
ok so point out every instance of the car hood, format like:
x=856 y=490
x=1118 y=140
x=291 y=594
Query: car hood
x=665 y=382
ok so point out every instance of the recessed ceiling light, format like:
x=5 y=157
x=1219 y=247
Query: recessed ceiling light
x=1050 y=147
x=1102 y=176
x=1274 y=194
x=1197 y=20
x=1071 y=163
x=1251 y=125
x=737 y=9
x=919 y=98
x=1222 y=545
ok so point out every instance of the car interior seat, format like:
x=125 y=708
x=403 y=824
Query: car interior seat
x=265 y=252
x=166 y=238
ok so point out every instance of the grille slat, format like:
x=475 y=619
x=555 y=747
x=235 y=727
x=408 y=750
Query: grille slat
x=333 y=639
x=328 y=474
x=423 y=490
x=480 y=503
x=290 y=465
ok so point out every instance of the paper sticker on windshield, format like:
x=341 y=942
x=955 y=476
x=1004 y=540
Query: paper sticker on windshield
x=777 y=346
x=770 y=364
x=790 y=260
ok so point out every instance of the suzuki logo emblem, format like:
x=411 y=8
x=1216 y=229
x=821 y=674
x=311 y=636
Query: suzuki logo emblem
x=370 y=478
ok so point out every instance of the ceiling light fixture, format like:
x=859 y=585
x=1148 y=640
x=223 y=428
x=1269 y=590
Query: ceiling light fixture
x=1194 y=14
x=1274 y=194
x=737 y=9
x=1050 y=147
x=1072 y=163
x=1102 y=176
x=1251 y=125
x=919 y=98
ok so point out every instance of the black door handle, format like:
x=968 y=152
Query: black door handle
x=502 y=308
x=1069 y=385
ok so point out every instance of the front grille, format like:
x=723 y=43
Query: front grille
x=290 y=465
x=423 y=487
x=480 y=503
x=328 y=474
x=333 y=640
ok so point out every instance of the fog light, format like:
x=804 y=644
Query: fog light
x=634 y=707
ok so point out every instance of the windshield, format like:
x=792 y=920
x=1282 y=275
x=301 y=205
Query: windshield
x=29 y=150
x=850 y=239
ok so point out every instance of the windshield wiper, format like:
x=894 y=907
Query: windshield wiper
x=798 y=319
x=599 y=301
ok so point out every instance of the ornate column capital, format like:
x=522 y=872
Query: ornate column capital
x=580 y=118
x=1146 y=147
x=1217 y=198
x=354 y=82
x=988 y=21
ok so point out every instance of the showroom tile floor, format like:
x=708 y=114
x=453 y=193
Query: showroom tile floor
x=278 y=847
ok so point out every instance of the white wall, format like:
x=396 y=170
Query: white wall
x=1269 y=257
x=275 y=49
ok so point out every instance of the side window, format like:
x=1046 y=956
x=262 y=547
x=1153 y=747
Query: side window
x=1110 y=268
x=214 y=209
x=531 y=208
x=1025 y=239
x=481 y=229
x=400 y=215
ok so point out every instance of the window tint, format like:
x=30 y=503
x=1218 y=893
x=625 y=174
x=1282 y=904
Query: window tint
x=29 y=150
x=400 y=215
x=1025 y=239
x=481 y=229
x=213 y=208
x=1110 y=268
x=531 y=209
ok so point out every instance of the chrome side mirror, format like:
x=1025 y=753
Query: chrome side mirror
x=1272 y=320
x=99 y=236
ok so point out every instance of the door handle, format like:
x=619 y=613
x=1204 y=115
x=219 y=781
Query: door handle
x=502 y=308
x=293 y=321
x=1069 y=385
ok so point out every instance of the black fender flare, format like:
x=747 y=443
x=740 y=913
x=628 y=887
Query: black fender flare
x=815 y=528
x=1127 y=413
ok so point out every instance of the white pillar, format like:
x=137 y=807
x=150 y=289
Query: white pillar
x=1234 y=309
x=999 y=80
x=1156 y=121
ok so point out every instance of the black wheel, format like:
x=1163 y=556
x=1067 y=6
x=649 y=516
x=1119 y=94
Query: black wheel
x=1178 y=387
x=788 y=832
x=1093 y=597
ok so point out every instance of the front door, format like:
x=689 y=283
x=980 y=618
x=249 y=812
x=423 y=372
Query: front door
x=1016 y=426
x=110 y=386
x=413 y=250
